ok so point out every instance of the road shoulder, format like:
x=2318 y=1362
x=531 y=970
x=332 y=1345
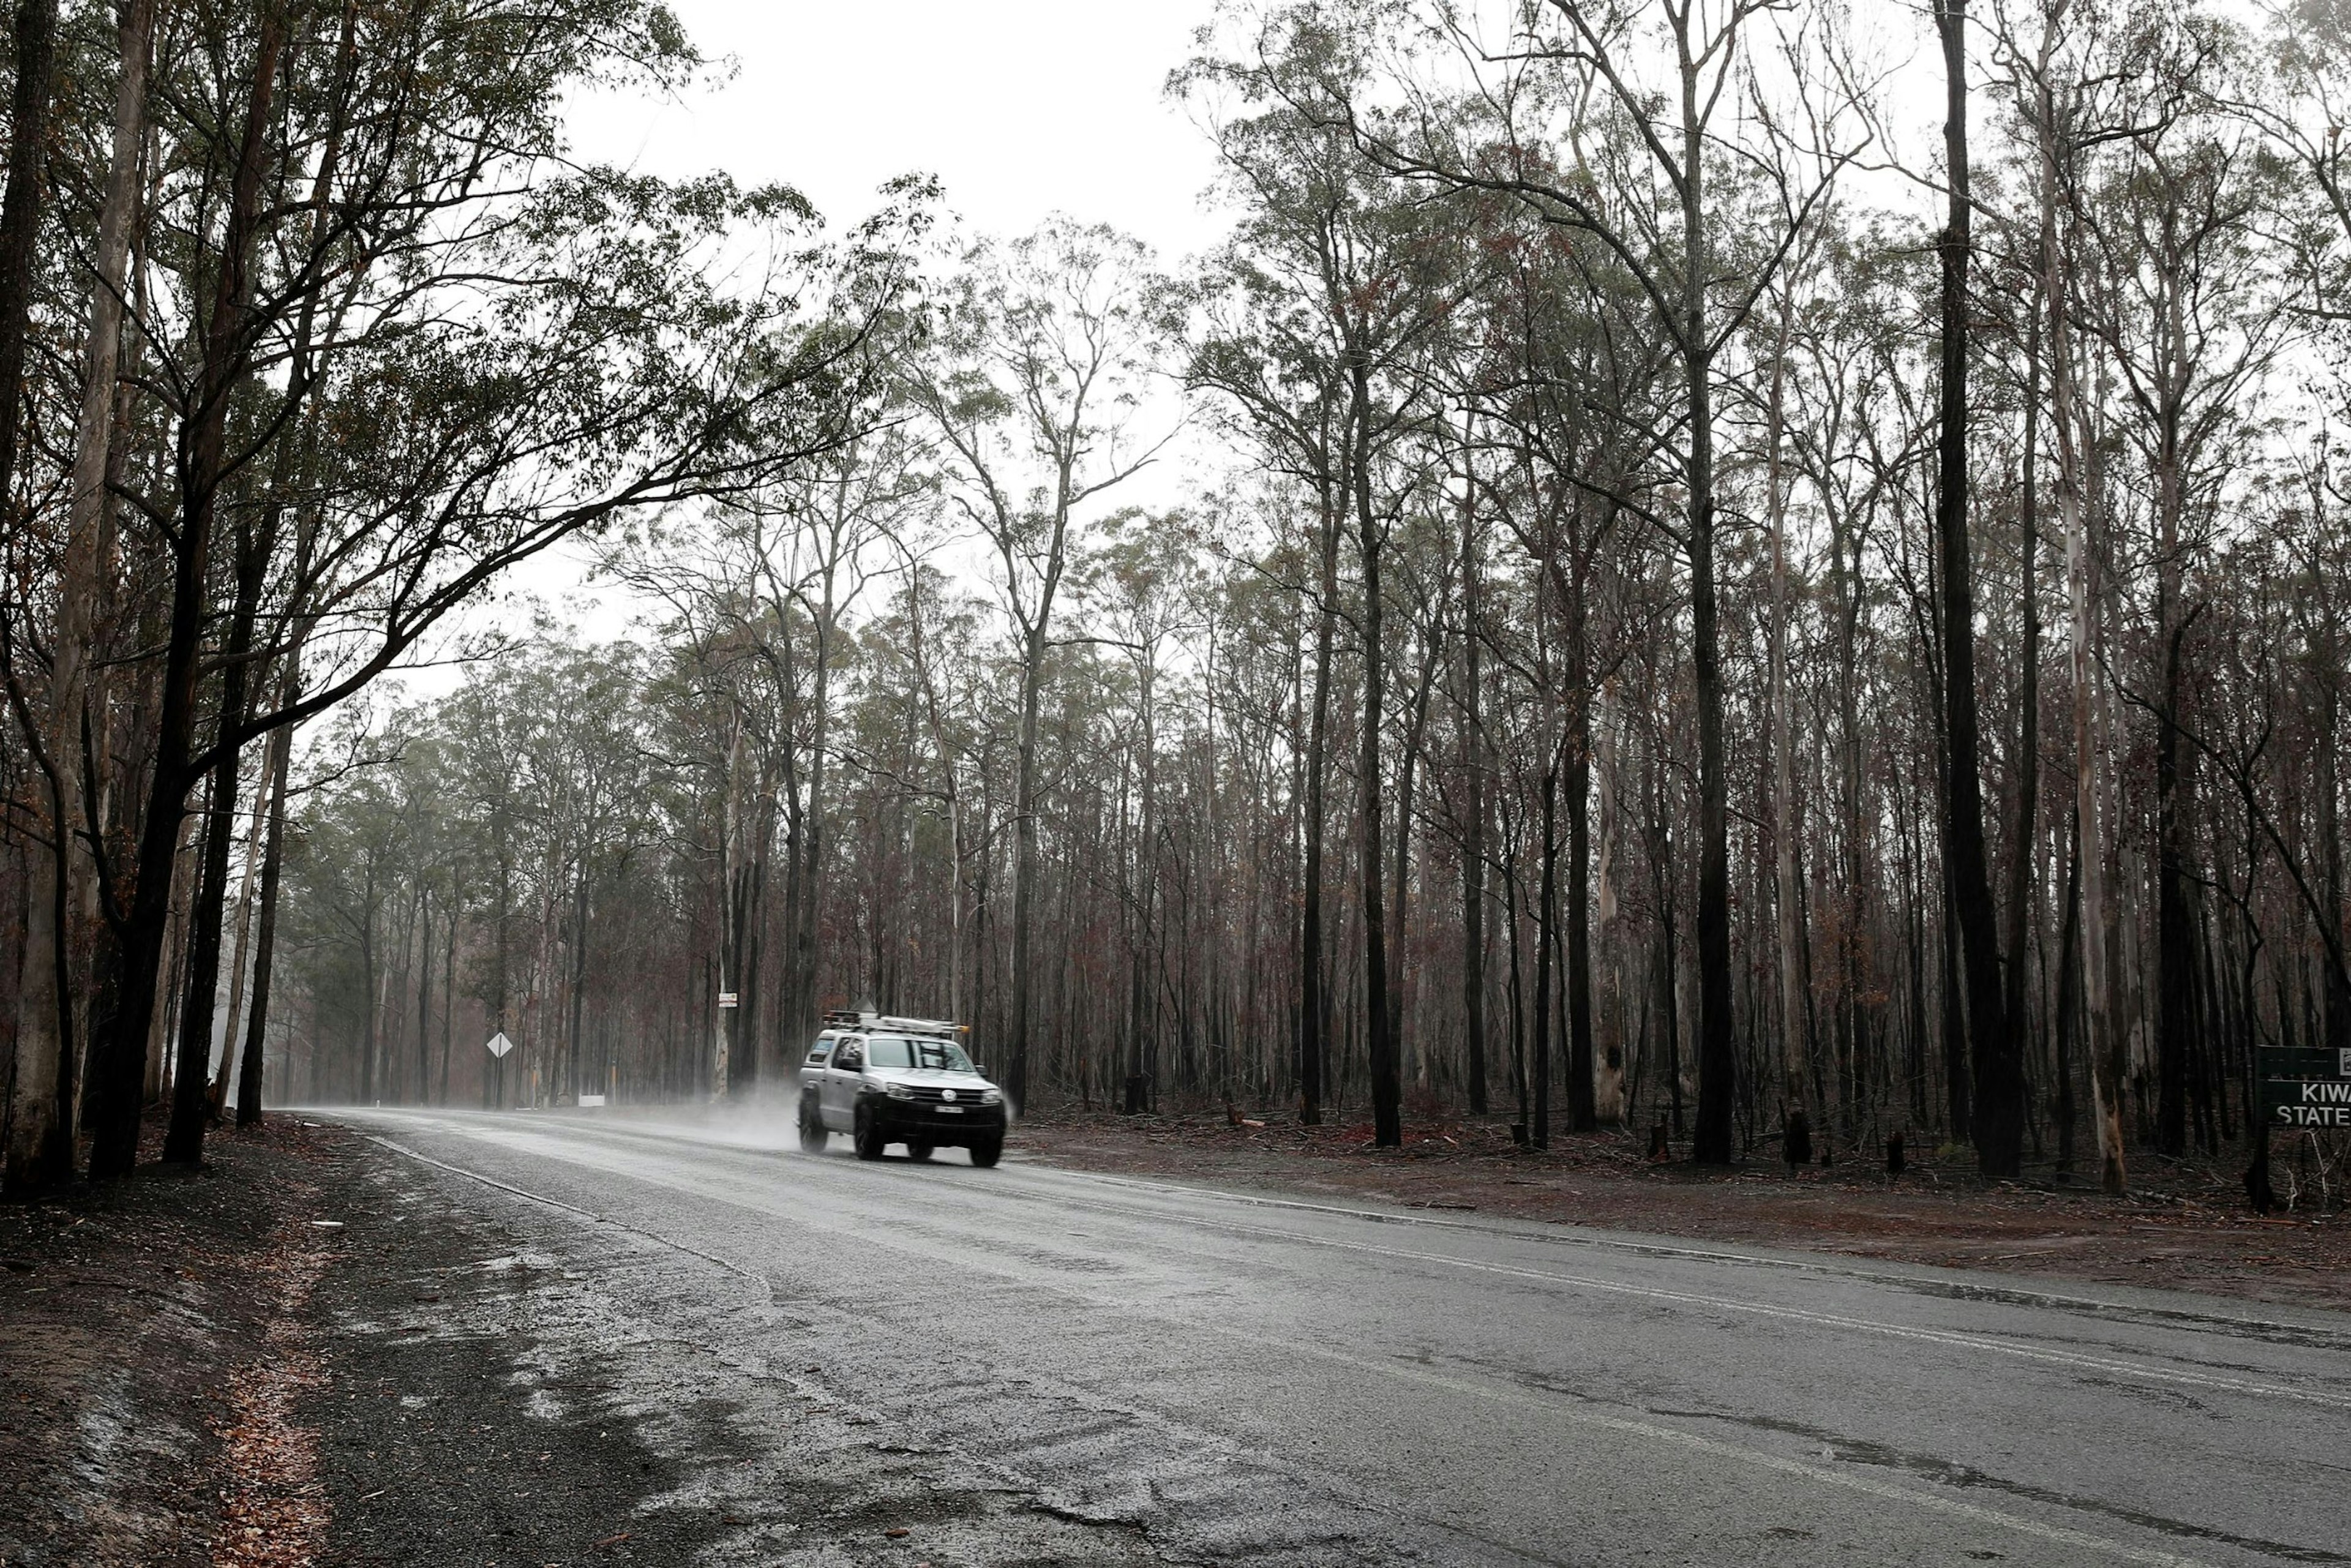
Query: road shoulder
x=2184 y=1228
x=319 y=1351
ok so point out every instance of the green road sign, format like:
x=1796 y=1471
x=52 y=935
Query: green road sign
x=2307 y=1086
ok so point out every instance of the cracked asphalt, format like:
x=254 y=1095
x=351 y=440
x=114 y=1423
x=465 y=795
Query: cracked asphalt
x=738 y=1353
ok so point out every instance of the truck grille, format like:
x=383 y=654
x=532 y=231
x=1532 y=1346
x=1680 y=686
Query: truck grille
x=930 y=1094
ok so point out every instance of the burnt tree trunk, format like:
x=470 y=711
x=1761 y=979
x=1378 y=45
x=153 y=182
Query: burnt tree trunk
x=202 y=461
x=1998 y=1119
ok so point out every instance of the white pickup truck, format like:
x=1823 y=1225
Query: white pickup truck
x=886 y=1081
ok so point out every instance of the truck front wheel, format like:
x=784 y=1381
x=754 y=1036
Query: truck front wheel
x=814 y=1137
x=868 y=1137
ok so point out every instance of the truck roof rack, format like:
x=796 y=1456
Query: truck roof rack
x=847 y=1018
x=920 y=1026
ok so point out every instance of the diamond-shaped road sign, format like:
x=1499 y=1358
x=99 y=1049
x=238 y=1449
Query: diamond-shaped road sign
x=500 y=1044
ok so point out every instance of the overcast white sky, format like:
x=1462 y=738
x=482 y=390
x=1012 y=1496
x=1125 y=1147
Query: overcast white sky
x=1022 y=107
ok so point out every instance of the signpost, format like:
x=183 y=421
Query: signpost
x=498 y=1045
x=725 y=998
x=2306 y=1087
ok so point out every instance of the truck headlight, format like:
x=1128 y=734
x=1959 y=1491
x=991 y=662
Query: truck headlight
x=991 y=1096
x=898 y=1091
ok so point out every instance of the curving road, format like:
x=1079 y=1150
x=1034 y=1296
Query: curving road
x=1163 y=1373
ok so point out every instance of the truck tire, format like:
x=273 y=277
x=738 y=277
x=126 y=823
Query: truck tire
x=868 y=1137
x=988 y=1151
x=814 y=1137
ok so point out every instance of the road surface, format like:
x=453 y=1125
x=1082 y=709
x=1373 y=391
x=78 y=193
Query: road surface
x=1124 y=1370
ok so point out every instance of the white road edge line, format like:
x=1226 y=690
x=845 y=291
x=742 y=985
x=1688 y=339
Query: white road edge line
x=734 y=1268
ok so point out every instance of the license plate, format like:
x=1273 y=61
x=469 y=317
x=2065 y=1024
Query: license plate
x=950 y=1110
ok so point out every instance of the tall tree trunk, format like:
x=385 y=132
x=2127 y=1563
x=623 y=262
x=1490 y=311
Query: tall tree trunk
x=1583 y=1112
x=2069 y=1004
x=1795 y=1126
x=2101 y=1039
x=20 y=212
x=249 y=1071
x=191 y=1101
x=2175 y=1018
x=1717 y=1062
x=1387 y=1090
x=240 y=954
x=2336 y=991
x=1473 y=837
x=1314 y=991
x=1610 y=1104
x=732 y=856
x=40 y=1119
x=1025 y=865
x=1546 y=944
x=424 y=999
x=202 y=463
x=1998 y=1122
x=2179 y=1034
x=42 y=1147
x=372 y=1004
x=799 y=1024
x=578 y=988
x=448 y=1001
x=2022 y=844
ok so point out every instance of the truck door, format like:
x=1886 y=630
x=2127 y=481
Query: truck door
x=811 y=1073
x=841 y=1077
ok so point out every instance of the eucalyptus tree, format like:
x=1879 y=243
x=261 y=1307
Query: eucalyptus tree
x=1033 y=388
x=2176 y=287
x=1318 y=335
x=839 y=514
x=1261 y=346
x=62 y=895
x=1139 y=596
x=1607 y=121
x=599 y=367
x=1569 y=381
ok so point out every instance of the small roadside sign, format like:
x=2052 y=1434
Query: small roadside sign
x=500 y=1044
x=2307 y=1086
x=725 y=998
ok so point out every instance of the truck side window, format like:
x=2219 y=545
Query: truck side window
x=818 y=1052
x=850 y=1058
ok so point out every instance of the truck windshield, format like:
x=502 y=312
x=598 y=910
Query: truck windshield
x=885 y=1051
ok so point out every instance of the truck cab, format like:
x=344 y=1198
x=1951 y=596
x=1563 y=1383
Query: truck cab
x=885 y=1080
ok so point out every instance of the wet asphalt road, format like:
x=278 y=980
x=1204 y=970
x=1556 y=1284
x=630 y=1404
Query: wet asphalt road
x=1161 y=1373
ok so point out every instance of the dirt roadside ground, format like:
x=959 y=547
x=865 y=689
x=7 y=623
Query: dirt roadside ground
x=305 y=1356
x=153 y=1353
x=2185 y=1226
x=282 y=1363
